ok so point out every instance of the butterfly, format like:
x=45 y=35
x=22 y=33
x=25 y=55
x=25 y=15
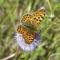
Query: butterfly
x=27 y=35
x=34 y=19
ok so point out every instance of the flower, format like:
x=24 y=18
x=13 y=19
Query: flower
x=27 y=47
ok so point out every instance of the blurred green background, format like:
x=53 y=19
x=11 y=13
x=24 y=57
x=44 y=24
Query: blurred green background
x=10 y=10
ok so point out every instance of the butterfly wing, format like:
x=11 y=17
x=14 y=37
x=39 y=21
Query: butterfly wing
x=26 y=19
x=27 y=35
x=38 y=17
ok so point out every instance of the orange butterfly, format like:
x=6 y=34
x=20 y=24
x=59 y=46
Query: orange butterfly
x=33 y=20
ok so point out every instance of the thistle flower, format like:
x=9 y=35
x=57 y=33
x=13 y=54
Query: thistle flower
x=27 y=47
